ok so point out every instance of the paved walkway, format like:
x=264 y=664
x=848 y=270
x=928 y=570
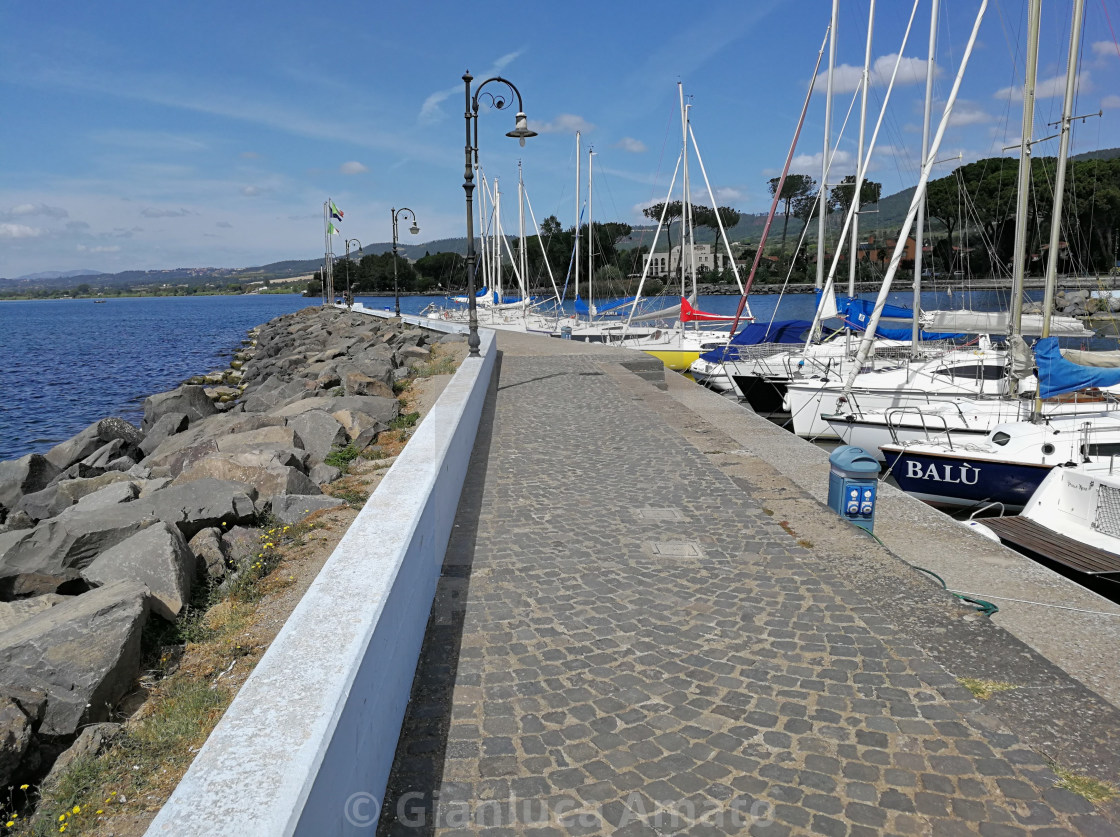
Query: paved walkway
x=629 y=639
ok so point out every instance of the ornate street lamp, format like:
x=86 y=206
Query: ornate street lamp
x=520 y=132
x=349 y=296
x=413 y=229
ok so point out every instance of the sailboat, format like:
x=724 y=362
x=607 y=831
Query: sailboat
x=1015 y=457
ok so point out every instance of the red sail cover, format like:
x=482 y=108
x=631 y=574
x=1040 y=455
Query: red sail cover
x=690 y=314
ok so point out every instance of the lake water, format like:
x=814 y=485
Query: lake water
x=68 y=363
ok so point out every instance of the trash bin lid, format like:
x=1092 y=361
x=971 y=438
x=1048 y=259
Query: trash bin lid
x=852 y=461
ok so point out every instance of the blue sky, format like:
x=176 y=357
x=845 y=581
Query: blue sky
x=159 y=135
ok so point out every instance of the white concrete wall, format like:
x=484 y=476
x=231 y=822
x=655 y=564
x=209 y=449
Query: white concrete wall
x=307 y=745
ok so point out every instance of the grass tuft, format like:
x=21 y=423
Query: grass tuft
x=984 y=689
x=1093 y=790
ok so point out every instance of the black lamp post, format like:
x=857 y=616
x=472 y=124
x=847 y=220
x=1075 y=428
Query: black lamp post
x=349 y=298
x=520 y=132
x=413 y=229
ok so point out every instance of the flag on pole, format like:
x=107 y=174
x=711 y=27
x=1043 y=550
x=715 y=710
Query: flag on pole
x=336 y=213
x=331 y=229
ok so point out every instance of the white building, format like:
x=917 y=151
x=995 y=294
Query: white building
x=707 y=257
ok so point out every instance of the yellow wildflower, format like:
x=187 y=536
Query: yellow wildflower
x=23 y=787
x=77 y=809
x=9 y=823
x=61 y=817
x=99 y=810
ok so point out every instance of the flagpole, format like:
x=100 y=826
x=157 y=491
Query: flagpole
x=326 y=250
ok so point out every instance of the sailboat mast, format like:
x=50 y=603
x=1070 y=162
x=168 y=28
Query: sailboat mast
x=496 y=241
x=853 y=256
x=576 y=260
x=1060 y=181
x=590 y=240
x=522 y=256
x=1019 y=257
x=920 y=221
x=686 y=203
x=825 y=158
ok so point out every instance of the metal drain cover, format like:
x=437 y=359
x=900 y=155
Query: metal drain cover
x=676 y=549
x=652 y=513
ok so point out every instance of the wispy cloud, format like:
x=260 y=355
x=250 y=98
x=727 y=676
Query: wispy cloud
x=565 y=123
x=969 y=113
x=26 y=209
x=846 y=77
x=19 y=231
x=1111 y=101
x=353 y=167
x=1105 y=49
x=251 y=191
x=1047 y=88
x=149 y=141
x=634 y=146
x=99 y=248
x=430 y=111
x=151 y=212
x=811 y=164
x=225 y=225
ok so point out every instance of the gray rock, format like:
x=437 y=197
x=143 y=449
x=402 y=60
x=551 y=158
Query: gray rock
x=319 y=431
x=241 y=544
x=270 y=472
x=159 y=558
x=92 y=742
x=25 y=586
x=71 y=540
x=190 y=400
x=275 y=437
x=414 y=353
x=111 y=495
x=358 y=383
x=45 y=503
x=78 y=447
x=15 y=738
x=100 y=458
x=17 y=520
x=75 y=489
x=377 y=407
x=25 y=475
x=209 y=551
x=322 y=474
x=84 y=654
x=292 y=508
x=201 y=440
x=202 y=504
x=164 y=427
x=153 y=485
x=361 y=429
x=12 y=613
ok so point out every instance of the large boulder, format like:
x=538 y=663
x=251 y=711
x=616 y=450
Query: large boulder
x=201 y=440
x=111 y=495
x=91 y=743
x=319 y=431
x=81 y=445
x=46 y=503
x=203 y=503
x=209 y=552
x=358 y=383
x=84 y=654
x=190 y=400
x=163 y=428
x=25 y=475
x=269 y=472
x=377 y=407
x=273 y=437
x=361 y=429
x=71 y=540
x=16 y=734
x=157 y=557
x=292 y=508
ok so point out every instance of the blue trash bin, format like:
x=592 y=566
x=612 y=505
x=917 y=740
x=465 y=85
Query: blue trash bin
x=853 y=482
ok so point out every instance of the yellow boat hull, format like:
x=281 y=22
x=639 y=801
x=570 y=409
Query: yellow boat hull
x=679 y=360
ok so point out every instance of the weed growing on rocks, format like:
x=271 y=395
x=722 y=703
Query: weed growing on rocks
x=342 y=457
x=404 y=420
x=984 y=689
x=1086 y=787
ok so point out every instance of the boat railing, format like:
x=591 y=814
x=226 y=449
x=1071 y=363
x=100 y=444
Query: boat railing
x=1002 y=509
x=895 y=414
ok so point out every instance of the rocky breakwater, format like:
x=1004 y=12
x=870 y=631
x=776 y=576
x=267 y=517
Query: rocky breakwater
x=1078 y=304
x=121 y=524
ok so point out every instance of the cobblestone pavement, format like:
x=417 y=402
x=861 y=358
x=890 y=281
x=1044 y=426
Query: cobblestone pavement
x=626 y=642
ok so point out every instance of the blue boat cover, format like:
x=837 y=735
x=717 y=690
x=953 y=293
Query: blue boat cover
x=752 y=334
x=582 y=308
x=857 y=315
x=1057 y=375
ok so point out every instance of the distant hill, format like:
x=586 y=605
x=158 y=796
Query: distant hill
x=58 y=274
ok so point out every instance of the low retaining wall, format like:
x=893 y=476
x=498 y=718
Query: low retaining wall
x=307 y=745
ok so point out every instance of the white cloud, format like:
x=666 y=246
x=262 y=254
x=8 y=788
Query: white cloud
x=19 y=231
x=728 y=194
x=1047 y=88
x=101 y=248
x=1111 y=101
x=24 y=209
x=250 y=191
x=565 y=123
x=634 y=146
x=811 y=164
x=430 y=110
x=352 y=167
x=969 y=113
x=149 y=212
x=1104 y=49
x=846 y=77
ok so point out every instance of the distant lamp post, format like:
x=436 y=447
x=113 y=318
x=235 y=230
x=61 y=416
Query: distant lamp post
x=520 y=132
x=413 y=229
x=350 y=296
